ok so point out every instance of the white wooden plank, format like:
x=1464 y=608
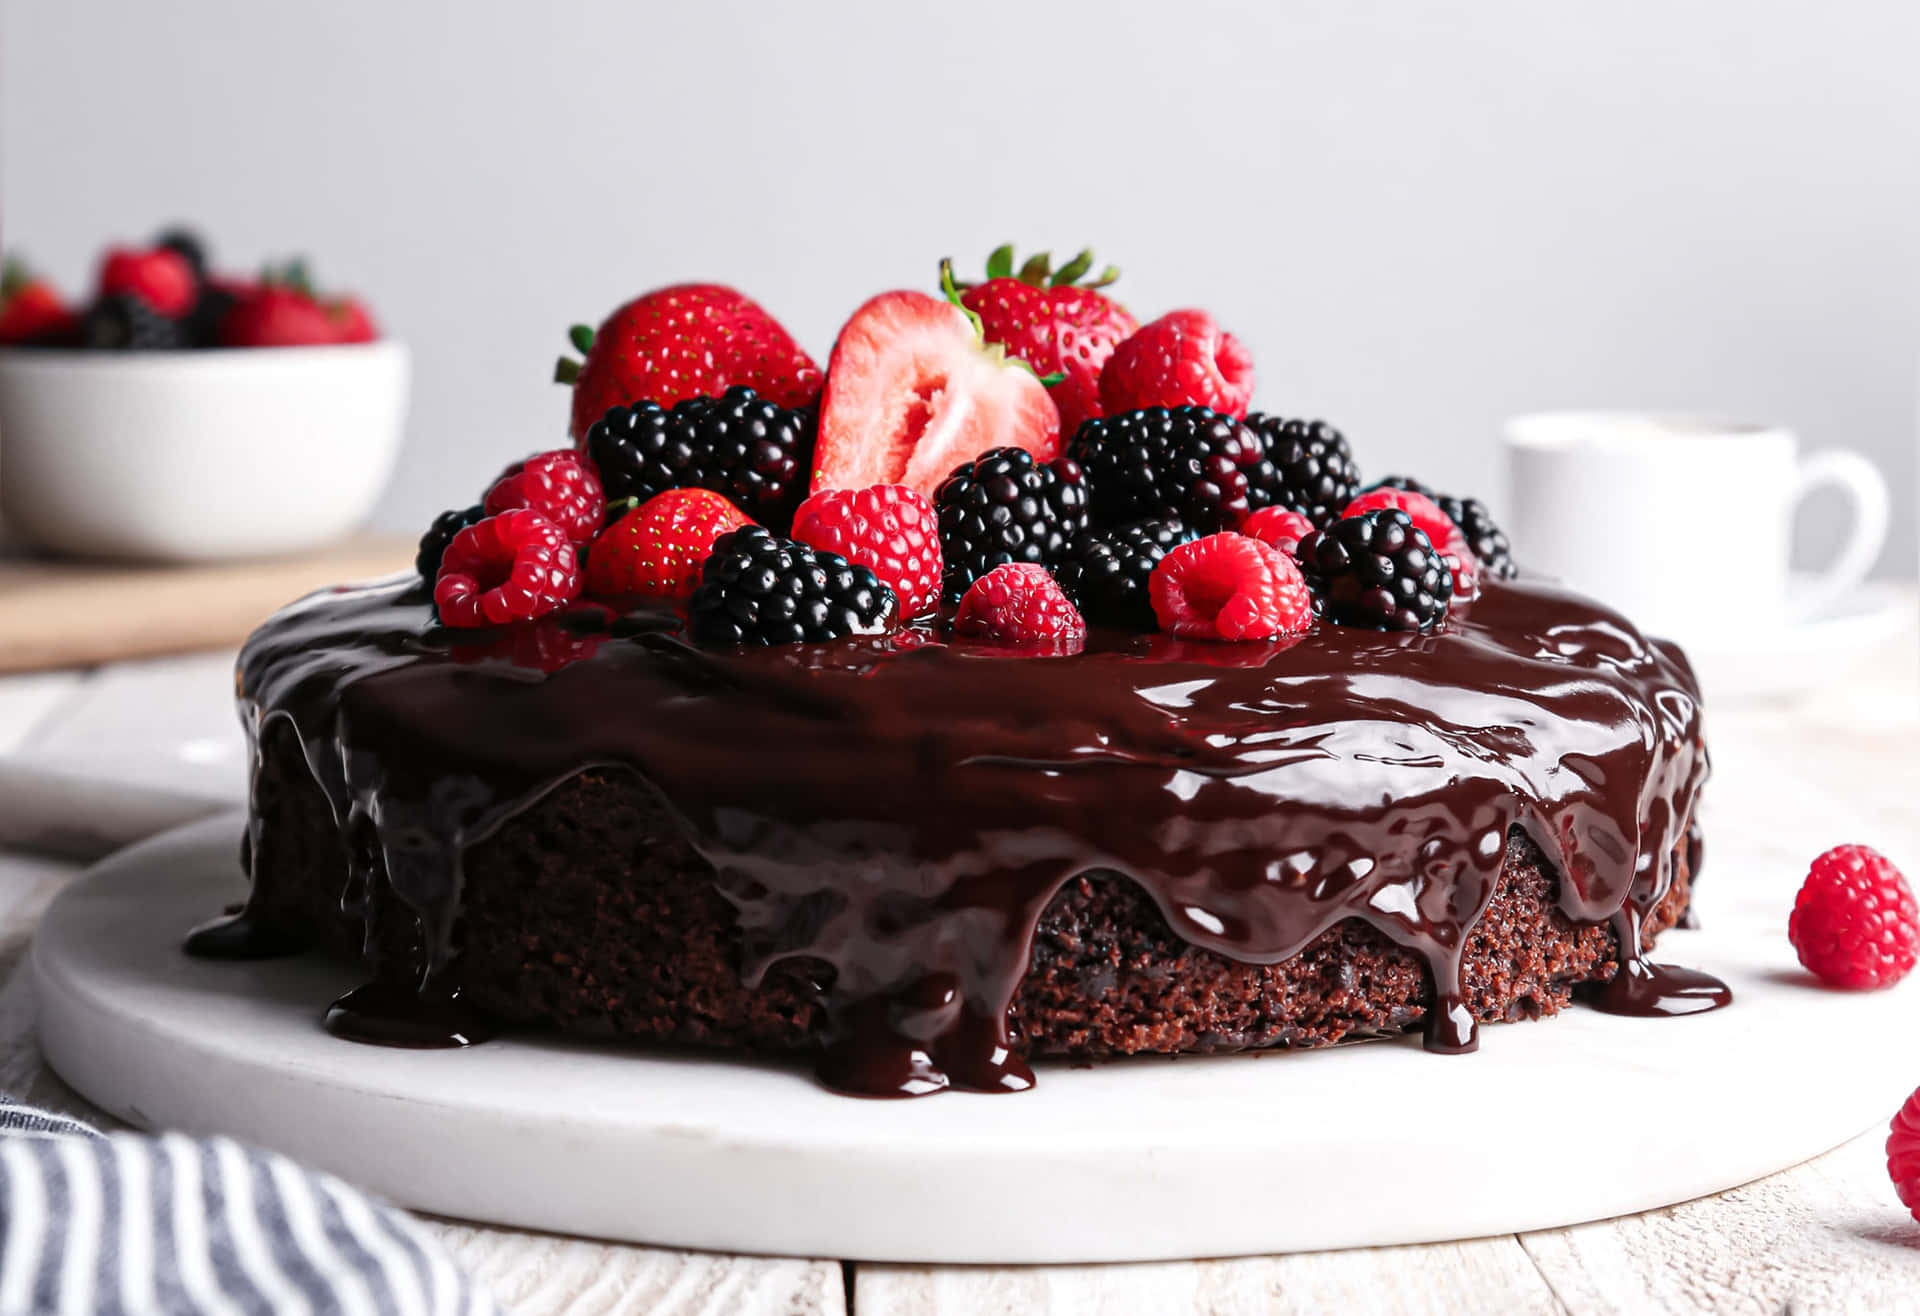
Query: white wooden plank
x=1492 y=1275
x=546 y=1275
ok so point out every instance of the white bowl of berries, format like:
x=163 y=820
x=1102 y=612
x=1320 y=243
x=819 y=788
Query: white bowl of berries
x=180 y=416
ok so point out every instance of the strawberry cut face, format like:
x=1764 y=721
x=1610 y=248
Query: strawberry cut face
x=912 y=393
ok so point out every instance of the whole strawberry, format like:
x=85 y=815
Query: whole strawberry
x=656 y=550
x=1182 y=359
x=887 y=527
x=159 y=276
x=686 y=341
x=560 y=485
x=30 y=308
x=283 y=310
x=1055 y=322
x=1854 y=923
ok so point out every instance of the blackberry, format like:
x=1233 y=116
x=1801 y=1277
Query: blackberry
x=1484 y=536
x=1005 y=507
x=433 y=544
x=1378 y=570
x=1106 y=574
x=739 y=445
x=1305 y=465
x=1159 y=464
x=208 y=314
x=120 y=322
x=757 y=588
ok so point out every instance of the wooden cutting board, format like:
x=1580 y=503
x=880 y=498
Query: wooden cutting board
x=56 y=613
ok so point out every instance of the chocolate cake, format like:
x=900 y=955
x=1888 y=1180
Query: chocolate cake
x=923 y=862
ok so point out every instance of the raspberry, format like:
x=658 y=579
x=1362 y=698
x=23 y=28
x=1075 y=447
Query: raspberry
x=889 y=528
x=657 y=549
x=1379 y=570
x=511 y=567
x=1230 y=587
x=1282 y=527
x=1182 y=359
x=1438 y=527
x=1903 y=1154
x=1854 y=922
x=1020 y=603
x=158 y=276
x=559 y=486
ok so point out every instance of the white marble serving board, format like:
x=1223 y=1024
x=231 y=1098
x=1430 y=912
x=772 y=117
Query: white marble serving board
x=1576 y=1118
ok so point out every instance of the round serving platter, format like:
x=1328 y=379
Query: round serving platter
x=1576 y=1118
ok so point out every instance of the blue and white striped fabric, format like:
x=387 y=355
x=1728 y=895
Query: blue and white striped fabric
x=128 y=1224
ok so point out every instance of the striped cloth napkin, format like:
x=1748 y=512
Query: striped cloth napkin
x=137 y=1225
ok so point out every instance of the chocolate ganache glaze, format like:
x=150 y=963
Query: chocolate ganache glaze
x=903 y=807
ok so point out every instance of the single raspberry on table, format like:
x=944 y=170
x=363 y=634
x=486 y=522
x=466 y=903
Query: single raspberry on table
x=511 y=567
x=1182 y=359
x=1903 y=1154
x=886 y=527
x=657 y=549
x=1230 y=587
x=1282 y=527
x=1432 y=520
x=1021 y=603
x=1854 y=923
x=560 y=485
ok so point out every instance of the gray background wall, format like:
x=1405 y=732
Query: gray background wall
x=1422 y=218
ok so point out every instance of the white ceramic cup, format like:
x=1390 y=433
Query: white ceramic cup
x=1683 y=523
x=197 y=456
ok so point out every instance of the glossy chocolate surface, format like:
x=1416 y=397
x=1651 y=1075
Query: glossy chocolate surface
x=903 y=807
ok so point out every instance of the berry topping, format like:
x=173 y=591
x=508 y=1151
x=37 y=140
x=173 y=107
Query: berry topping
x=1005 y=507
x=1378 y=570
x=1903 y=1154
x=1485 y=539
x=1162 y=464
x=686 y=341
x=1436 y=525
x=912 y=392
x=742 y=445
x=657 y=549
x=1308 y=467
x=433 y=544
x=889 y=528
x=121 y=322
x=158 y=276
x=1230 y=587
x=511 y=567
x=559 y=486
x=30 y=308
x=760 y=589
x=1182 y=359
x=1107 y=572
x=1282 y=527
x=1854 y=923
x=1021 y=603
x=1055 y=322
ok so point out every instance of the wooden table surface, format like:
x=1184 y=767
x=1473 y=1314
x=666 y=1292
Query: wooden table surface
x=1827 y=1236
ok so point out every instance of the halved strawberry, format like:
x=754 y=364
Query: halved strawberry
x=912 y=392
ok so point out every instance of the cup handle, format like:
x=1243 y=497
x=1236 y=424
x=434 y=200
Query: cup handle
x=1864 y=484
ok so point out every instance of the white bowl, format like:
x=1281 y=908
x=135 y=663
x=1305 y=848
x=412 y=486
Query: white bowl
x=195 y=456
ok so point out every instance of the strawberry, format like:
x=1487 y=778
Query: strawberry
x=913 y=392
x=1182 y=359
x=158 y=276
x=30 y=309
x=686 y=341
x=658 y=549
x=1054 y=322
x=891 y=530
x=282 y=310
x=351 y=321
